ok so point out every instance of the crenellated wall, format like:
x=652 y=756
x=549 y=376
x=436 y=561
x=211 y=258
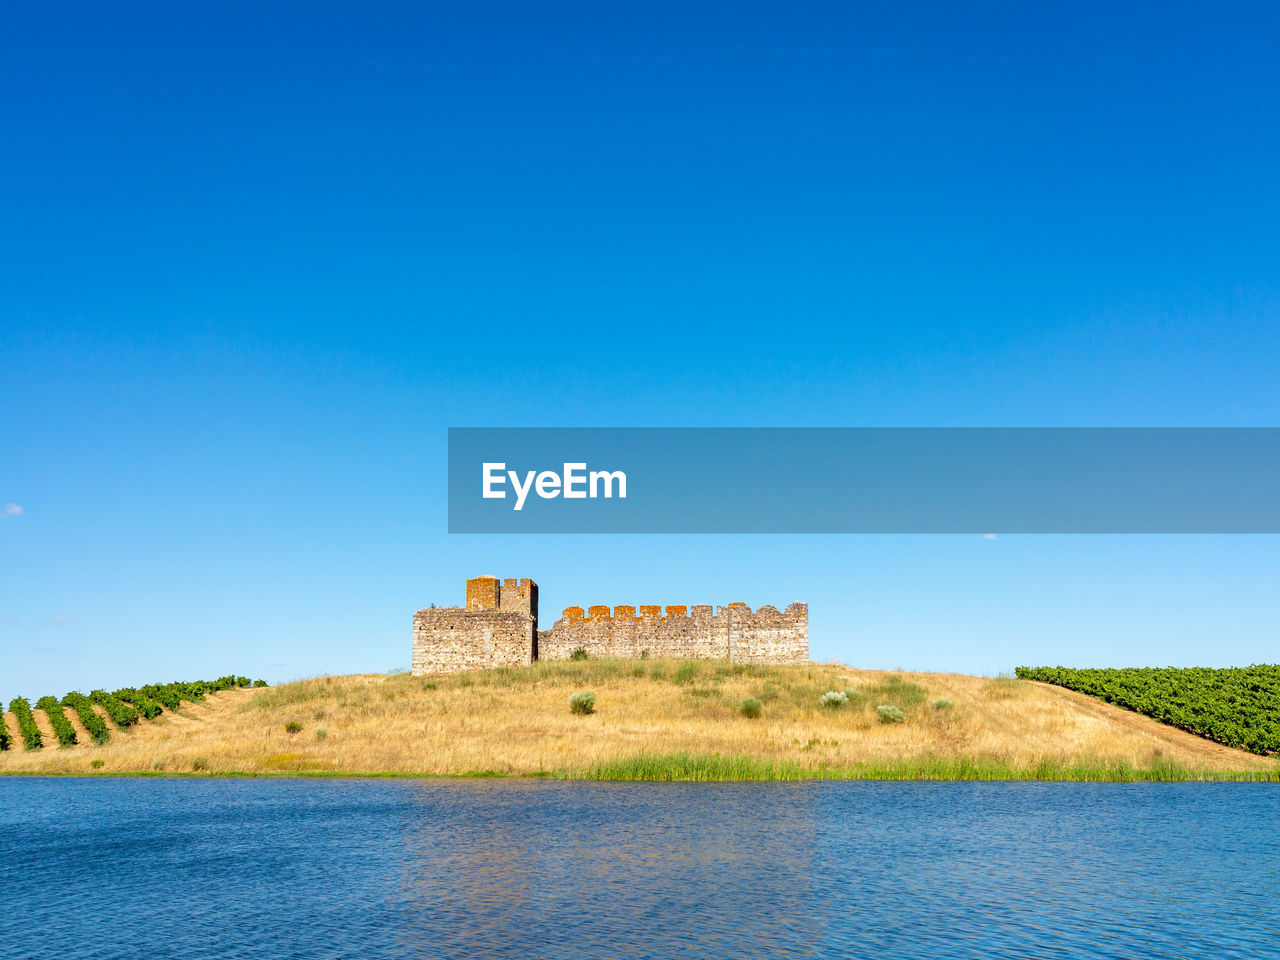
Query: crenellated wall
x=734 y=632
x=499 y=627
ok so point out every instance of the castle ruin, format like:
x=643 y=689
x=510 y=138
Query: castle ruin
x=498 y=627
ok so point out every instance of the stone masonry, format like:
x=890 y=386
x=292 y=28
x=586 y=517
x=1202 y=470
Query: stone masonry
x=499 y=627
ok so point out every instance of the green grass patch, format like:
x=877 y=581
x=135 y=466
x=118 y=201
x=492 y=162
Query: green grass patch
x=576 y=672
x=895 y=691
x=685 y=674
x=293 y=694
x=720 y=768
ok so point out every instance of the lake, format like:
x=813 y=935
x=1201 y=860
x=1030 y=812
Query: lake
x=229 y=869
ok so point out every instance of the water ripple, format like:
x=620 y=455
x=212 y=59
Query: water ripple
x=226 y=869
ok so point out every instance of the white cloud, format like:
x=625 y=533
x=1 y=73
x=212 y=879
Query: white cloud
x=11 y=510
x=989 y=536
x=59 y=619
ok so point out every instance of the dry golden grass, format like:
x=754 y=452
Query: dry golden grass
x=517 y=721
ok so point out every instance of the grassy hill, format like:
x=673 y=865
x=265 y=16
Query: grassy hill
x=652 y=720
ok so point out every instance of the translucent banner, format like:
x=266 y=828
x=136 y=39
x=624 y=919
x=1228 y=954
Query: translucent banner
x=864 y=480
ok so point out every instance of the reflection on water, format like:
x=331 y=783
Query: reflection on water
x=626 y=871
x=415 y=869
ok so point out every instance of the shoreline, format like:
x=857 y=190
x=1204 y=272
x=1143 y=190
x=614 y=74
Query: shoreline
x=652 y=721
x=721 y=769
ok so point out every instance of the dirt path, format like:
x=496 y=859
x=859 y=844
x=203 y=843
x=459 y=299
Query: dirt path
x=82 y=735
x=49 y=738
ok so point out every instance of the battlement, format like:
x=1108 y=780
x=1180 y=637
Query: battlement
x=483 y=593
x=701 y=631
x=490 y=593
x=499 y=626
x=677 y=612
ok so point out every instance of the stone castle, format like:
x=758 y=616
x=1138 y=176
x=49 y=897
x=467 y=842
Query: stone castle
x=498 y=627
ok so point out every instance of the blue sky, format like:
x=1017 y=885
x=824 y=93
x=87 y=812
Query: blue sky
x=257 y=258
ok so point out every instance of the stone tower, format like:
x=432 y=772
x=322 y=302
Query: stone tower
x=511 y=595
x=498 y=627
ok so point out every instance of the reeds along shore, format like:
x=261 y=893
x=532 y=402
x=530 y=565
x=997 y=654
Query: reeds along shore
x=655 y=720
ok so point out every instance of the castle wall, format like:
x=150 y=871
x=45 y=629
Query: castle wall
x=499 y=627
x=735 y=632
x=448 y=639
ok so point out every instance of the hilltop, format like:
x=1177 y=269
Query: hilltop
x=653 y=719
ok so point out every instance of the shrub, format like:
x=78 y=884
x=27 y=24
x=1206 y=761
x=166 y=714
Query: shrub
x=293 y=726
x=888 y=713
x=637 y=671
x=163 y=694
x=62 y=727
x=198 y=764
x=96 y=764
x=942 y=703
x=146 y=707
x=5 y=739
x=94 y=724
x=834 y=699
x=582 y=702
x=750 y=707
x=259 y=683
x=321 y=733
x=685 y=673
x=171 y=695
x=853 y=695
x=579 y=654
x=122 y=714
x=31 y=738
